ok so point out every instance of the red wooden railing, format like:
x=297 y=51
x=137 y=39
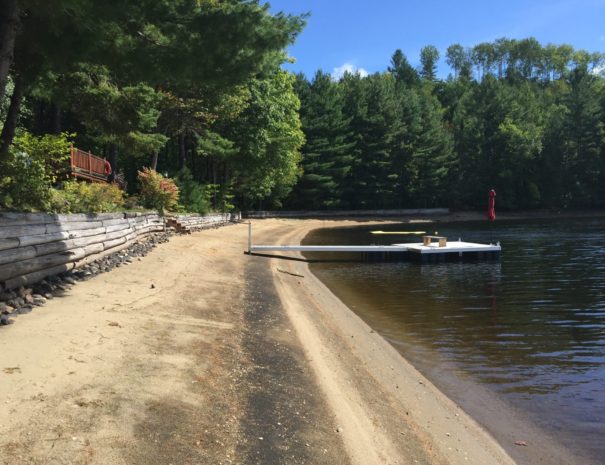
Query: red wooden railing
x=87 y=166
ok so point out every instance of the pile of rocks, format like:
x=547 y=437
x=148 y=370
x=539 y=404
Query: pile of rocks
x=24 y=299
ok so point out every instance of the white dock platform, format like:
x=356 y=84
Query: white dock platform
x=426 y=251
x=329 y=248
x=451 y=247
x=452 y=250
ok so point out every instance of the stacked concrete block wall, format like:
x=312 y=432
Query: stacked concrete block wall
x=34 y=246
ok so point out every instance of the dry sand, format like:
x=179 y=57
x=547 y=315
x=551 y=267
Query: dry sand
x=227 y=359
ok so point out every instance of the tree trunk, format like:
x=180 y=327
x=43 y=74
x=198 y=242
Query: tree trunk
x=182 y=151
x=214 y=189
x=9 y=26
x=12 y=116
x=193 y=162
x=154 y=162
x=113 y=156
x=55 y=116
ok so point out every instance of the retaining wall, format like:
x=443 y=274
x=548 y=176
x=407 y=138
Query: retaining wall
x=347 y=213
x=36 y=245
x=194 y=222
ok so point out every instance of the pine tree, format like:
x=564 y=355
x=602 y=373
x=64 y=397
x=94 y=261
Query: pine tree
x=576 y=142
x=402 y=70
x=429 y=56
x=376 y=121
x=327 y=153
x=431 y=152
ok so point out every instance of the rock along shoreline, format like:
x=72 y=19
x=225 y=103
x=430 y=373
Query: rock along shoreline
x=24 y=299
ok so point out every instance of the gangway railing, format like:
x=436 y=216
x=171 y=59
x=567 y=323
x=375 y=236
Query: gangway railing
x=87 y=166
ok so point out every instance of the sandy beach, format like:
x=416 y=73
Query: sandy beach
x=201 y=354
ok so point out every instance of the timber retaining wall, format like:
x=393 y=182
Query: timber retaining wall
x=35 y=245
x=196 y=222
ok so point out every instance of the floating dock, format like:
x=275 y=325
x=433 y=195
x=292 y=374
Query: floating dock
x=426 y=251
x=329 y=248
x=453 y=250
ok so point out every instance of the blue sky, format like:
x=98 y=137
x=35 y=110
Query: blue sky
x=364 y=34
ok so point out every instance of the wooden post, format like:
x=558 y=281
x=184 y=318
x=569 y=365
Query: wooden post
x=249 y=237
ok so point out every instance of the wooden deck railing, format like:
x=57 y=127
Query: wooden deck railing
x=87 y=166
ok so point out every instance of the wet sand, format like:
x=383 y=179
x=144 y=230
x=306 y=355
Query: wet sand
x=229 y=358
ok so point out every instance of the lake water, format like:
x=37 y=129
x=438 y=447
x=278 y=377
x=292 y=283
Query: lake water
x=529 y=328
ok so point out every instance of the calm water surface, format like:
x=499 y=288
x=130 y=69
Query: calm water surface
x=530 y=327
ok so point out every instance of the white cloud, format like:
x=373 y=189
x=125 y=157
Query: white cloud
x=340 y=71
x=599 y=70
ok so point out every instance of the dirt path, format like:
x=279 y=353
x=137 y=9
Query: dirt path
x=200 y=354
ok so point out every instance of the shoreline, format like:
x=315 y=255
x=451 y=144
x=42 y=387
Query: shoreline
x=453 y=216
x=484 y=407
x=200 y=353
x=386 y=394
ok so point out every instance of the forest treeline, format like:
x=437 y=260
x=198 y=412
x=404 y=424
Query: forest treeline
x=196 y=90
x=525 y=119
x=192 y=88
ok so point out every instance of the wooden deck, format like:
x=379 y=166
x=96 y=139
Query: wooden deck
x=87 y=166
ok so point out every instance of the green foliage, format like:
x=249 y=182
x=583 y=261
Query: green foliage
x=193 y=196
x=269 y=136
x=374 y=142
x=32 y=166
x=212 y=144
x=156 y=191
x=51 y=150
x=24 y=183
x=126 y=116
x=84 y=197
x=5 y=101
x=429 y=56
x=402 y=70
x=328 y=150
x=459 y=60
x=161 y=40
x=131 y=80
x=524 y=119
x=222 y=196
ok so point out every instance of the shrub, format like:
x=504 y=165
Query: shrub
x=193 y=196
x=132 y=202
x=32 y=166
x=156 y=191
x=120 y=180
x=83 y=197
x=222 y=196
